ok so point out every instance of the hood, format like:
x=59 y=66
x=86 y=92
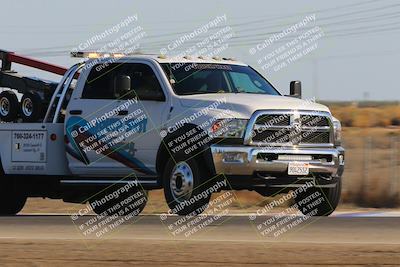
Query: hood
x=247 y=104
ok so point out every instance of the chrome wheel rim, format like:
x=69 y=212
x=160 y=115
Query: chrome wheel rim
x=27 y=107
x=181 y=182
x=4 y=106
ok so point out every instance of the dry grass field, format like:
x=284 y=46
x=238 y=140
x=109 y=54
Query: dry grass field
x=372 y=173
x=366 y=114
x=371 y=136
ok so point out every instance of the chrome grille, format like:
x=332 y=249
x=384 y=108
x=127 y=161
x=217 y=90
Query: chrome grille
x=273 y=120
x=272 y=136
x=313 y=120
x=287 y=128
x=315 y=137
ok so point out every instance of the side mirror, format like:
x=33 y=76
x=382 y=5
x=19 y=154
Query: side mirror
x=295 y=89
x=122 y=85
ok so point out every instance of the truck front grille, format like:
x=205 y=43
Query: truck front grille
x=273 y=120
x=315 y=137
x=313 y=120
x=290 y=128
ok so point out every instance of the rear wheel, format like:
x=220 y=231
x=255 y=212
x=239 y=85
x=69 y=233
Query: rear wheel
x=12 y=198
x=319 y=201
x=8 y=106
x=31 y=107
x=185 y=186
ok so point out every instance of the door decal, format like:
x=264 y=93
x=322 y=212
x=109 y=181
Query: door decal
x=98 y=139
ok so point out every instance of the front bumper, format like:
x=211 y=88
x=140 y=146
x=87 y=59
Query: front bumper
x=246 y=161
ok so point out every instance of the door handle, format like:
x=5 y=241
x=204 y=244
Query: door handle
x=75 y=112
x=122 y=112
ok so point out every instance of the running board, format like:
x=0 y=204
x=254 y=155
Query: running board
x=147 y=184
x=300 y=185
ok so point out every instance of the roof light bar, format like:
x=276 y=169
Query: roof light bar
x=81 y=54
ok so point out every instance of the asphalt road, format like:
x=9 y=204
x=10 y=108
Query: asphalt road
x=155 y=240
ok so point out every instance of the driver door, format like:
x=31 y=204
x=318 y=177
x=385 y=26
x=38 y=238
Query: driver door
x=112 y=131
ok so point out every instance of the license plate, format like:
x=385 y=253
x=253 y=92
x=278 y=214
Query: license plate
x=298 y=168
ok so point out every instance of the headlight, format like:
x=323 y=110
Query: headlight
x=228 y=128
x=337 y=126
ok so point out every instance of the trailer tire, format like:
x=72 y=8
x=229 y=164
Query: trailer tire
x=8 y=106
x=12 y=199
x=31 y=107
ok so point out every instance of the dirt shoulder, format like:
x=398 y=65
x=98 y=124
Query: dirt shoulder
x=182 y=253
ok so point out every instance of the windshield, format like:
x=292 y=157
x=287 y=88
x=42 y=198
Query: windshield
x=203 y=78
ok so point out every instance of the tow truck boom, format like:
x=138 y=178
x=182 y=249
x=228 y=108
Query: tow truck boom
x=8 y=57
x=36 y=92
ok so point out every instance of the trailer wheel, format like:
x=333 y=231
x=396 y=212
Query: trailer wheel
x=12 y=199
x=31 y=107
x=8 y=106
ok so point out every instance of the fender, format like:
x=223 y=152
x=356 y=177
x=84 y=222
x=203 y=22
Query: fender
x=204 y=152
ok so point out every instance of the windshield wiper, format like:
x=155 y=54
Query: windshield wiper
x=198 y=93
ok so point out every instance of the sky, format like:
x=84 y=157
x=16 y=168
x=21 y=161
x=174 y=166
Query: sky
x=356 y=58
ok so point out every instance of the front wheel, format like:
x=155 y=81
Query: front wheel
x=319 y=201
x=185 y=186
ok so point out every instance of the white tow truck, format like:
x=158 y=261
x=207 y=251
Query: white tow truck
x=131 y=123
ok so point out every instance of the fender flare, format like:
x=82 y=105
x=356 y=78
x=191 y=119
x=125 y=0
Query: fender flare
x=163 y=154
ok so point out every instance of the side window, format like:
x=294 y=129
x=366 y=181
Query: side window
x=100 y=82
x=144 y=83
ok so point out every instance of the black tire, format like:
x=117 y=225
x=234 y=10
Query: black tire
x=132 y=202
x=31 y=107
x=319 y=201
x=12 y=198
x=9 y=106
x=186 y=196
